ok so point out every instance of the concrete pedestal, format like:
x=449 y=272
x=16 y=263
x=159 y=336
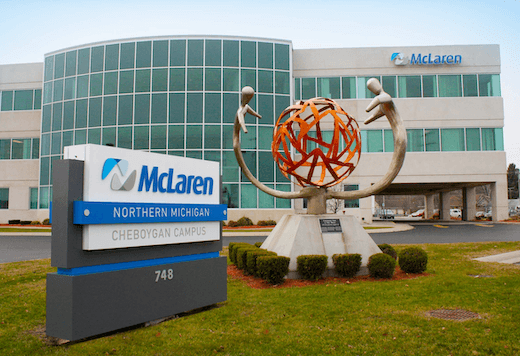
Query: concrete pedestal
x=297 y=235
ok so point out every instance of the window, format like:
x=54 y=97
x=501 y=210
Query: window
x=450 y=86
x=473 y=139
x=4 y=198
x=21 y=148
x=23 y=99
x=410 y=86
x=492 y=139
x=349 y=87
x=431 y=137
x=415 y=140
x=429 y=86
x=452 y=139
x=328 y=88
x=363 y=91
x=7 y=101
x=390 y=85
x=308 y=88
x=489 y=84
x=470 y=85
x=5 y=149
x=372 y=141
x=351 y=203
x=33 y=198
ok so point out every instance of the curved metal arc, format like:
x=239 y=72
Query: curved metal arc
x=385 y=107
x=247 y=95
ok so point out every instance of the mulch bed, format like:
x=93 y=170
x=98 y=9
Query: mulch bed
x=258 y=283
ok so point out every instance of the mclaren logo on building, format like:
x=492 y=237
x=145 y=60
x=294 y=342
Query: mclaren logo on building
x=122 y=166
x=399 y=59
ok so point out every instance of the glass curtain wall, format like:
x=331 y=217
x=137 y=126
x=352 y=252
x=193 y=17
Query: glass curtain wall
x=175 y=96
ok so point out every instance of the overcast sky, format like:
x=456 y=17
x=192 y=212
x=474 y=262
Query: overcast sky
x=29 y=29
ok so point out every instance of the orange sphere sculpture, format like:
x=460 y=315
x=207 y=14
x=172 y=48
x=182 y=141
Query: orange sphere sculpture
x=316 y=151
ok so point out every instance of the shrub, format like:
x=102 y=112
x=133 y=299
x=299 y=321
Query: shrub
x=232 y=248
x=25 y=222
x=46 y=222
x=241 y=258
x=389 y=250
x=258 y=244
x=273 y=268
x=244 y=221
x=35 y=222
x=14 y=222
x=266 y=222
x=224 y=223
x=381 y=265
x=232 y=223
x=252 y=257
x=347 y=265
x=311 y=266
x=413 y=260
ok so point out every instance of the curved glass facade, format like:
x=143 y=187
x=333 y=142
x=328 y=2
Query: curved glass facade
x=176 y=96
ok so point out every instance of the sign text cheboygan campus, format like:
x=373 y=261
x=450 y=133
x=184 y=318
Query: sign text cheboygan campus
x=136 y=237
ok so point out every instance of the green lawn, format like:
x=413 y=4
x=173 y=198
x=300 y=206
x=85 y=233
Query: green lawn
x=24 y=229
x=372 y=318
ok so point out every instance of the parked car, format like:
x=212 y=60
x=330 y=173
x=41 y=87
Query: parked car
x=418 y=213
x=480 y=214
x=387 y=214
x=455 y=213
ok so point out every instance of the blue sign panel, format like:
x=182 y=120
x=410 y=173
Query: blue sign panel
x=87 y=213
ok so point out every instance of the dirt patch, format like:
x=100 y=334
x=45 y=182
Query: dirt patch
x=258 y=283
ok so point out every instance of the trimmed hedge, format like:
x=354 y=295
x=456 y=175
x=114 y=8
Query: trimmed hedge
x=258 y=244
x=273 y=268
x=413 y=260
x=241 y=258
x=252 y=258
x=232 y=247
x=381 y=265
x=244 y=221
x=389 y=250
x=347 y=265
x=232 y=223
x=311 y=266
x=266 y=222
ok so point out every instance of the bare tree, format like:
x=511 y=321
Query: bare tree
x=335 y=205
x=512 y=181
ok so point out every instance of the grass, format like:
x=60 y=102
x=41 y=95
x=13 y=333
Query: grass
x=24 y=229
x=373 y=318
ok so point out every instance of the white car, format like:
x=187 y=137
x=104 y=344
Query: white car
x=417 y=214
x=455 y=213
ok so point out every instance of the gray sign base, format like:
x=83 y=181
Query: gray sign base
x=97 y=303
x=302 y=234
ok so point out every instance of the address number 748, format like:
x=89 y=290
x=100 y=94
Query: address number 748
x=165 y=275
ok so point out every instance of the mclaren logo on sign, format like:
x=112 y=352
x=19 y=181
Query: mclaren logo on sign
x=116 y=182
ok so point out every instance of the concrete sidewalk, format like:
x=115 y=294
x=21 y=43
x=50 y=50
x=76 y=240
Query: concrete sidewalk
x=508 y=257
x=373 y=228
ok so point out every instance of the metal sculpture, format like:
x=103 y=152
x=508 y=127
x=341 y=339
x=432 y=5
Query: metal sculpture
x=317 y=193
x=296 y=131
